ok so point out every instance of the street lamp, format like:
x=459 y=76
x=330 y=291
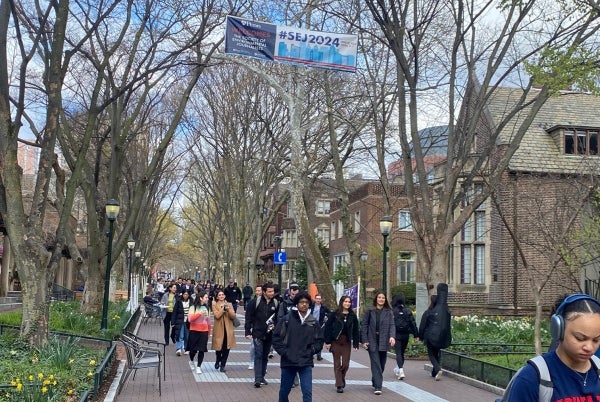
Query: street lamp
x=385 y=226
x=112 y=210
x=363 y=259
x=138 y=254
x=224 y=273
x=248 y=270
x=130 y=246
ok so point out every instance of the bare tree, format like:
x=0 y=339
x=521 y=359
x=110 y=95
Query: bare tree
x=458 y=54
x=543 y=232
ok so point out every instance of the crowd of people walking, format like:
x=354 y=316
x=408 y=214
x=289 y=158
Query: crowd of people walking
x=293 y=323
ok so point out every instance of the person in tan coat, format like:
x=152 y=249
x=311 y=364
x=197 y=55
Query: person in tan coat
x=223 y=337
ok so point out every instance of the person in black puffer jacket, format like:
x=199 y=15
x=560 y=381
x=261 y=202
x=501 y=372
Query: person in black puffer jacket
x=406 y=326
x=297 y=337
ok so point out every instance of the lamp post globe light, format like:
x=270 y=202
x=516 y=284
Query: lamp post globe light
x=112 y=210
x=385 y=226
x=363 y=259
x=248 y=270
x=130 y=246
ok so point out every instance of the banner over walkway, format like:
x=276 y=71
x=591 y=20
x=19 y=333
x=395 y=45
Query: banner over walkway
x=293 y=45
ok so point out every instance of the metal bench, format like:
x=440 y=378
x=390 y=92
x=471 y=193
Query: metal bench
x=140 y=356
x=151 y=343
x=151 y=311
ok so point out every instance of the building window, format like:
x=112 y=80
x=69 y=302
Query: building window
x=581 y=142
x=404 y=220
x=290 y=239
x=340 y=230
x=406 y=268
x=323 y=207
x=472 y=247
x=357 y=222
x=332 y=231
x=340 y=260
x=323 y=234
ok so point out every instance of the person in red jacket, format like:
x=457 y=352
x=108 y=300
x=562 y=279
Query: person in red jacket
x=199 y=319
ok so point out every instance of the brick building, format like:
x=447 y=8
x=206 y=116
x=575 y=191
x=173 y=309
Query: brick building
x=519 y=239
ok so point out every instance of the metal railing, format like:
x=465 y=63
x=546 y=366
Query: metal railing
x=61 y=293
x=103 y=369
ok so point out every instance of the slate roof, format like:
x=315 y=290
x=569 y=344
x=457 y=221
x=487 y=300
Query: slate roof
x=539 y=151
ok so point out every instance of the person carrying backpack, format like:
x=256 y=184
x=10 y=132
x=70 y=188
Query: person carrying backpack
x=405 y=327
x=571 y=367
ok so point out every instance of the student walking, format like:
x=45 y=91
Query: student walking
x=167 y=302
x=341 y=334
x=377 y=335
x=435 y=328
x=199 y=318
x=405 y=324
x=180 y=323
x=296 y=338
x=261 y=317
x=223 y=336
x=573 y=375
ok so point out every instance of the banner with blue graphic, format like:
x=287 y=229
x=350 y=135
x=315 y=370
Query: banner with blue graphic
x=292 y=45
x=353 y=293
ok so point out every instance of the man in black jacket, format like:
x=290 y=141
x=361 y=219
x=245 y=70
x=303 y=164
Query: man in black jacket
x=297 y=338
x=261 y=314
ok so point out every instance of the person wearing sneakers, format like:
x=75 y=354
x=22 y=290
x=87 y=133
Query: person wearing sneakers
x=377 y=336
x=261 y=317
x=404 y=321
x=199 y=319
x=257 y=293
x=179 y=322
x=435 y=328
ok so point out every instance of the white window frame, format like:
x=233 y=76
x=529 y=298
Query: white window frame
x=405 y=220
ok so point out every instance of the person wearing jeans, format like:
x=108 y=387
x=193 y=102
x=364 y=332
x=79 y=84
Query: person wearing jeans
x=296 y=338
x=260 y=318
x=184 y=325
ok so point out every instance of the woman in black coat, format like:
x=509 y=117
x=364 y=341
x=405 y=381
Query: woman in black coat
x=342 y=334
x=434 y=329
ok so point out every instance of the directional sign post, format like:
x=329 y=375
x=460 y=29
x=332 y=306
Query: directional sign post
x=279 y=258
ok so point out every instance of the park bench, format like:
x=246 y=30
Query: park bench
x=140 y=356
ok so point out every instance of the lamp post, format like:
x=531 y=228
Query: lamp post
x=130 y=246
x=385 y=226
x=248 y=270
x=112 y=210
x=136 y=275
x=363 y=259
x=224 y=269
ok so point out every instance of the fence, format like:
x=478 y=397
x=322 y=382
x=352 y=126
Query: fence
x=103 y=369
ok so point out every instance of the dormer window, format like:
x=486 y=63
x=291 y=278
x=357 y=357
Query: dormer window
x=580 y=141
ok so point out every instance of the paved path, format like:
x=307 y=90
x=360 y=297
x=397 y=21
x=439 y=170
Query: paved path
x=237 y=384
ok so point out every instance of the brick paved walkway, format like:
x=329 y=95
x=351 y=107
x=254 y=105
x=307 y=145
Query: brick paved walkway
x=236 y=384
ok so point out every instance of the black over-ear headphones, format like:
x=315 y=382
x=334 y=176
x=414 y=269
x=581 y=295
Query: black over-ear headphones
x=557 y=322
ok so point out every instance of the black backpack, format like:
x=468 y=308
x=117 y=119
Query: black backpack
x=402 y=317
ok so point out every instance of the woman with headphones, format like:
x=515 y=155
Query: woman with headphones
x=575 y=328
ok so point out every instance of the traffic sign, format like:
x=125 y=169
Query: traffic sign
x=279 y=257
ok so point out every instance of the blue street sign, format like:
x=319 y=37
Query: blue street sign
x=279 y=257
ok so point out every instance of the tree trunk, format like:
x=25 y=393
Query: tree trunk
x=36 y=302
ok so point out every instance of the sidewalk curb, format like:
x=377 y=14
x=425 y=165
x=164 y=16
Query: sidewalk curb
x=468 y=380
